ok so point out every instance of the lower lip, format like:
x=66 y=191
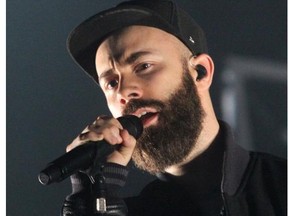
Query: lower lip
x=152 y=120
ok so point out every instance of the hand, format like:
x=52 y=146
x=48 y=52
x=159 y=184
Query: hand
x=111 y=130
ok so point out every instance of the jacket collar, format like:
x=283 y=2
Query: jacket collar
x=235 y=162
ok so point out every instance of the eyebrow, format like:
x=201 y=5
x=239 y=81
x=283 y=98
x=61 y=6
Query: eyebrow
x=129 y=60
x=105 y=74
x=136 y=55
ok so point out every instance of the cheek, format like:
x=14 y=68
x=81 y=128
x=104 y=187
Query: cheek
x=113 y=107
x=115 y=110
x=162 y=86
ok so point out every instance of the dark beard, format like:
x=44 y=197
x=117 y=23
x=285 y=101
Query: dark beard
x=179 y=125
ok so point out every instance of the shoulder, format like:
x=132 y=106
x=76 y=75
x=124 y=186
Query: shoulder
x=270 y=165
x=267 y=175
x=268 y=157
x=268 y=161
x=267 y=182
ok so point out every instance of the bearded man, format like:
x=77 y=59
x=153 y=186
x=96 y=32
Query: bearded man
x=150 y=59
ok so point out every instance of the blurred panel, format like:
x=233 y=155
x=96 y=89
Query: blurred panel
x=254 y=103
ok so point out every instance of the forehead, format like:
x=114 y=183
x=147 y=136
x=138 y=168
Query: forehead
x=136 y=39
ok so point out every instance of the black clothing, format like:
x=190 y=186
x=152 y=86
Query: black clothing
x=247 y=184
x=223 y=180
x=201 y=181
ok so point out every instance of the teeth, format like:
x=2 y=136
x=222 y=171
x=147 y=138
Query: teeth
x=143 y=113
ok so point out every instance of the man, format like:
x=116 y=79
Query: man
x=150 y=59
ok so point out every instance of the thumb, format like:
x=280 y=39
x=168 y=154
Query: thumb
x=123 y=154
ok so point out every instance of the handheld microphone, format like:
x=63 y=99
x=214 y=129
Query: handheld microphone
x=83 y=156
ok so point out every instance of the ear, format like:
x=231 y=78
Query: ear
x=206 y=80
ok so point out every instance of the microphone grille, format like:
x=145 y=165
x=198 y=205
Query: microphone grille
x=132 y=124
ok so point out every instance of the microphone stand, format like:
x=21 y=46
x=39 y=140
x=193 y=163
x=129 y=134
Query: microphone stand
x=99 y=192
x=102 y=203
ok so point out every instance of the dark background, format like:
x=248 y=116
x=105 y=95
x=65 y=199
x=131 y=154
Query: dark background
x=50 y=100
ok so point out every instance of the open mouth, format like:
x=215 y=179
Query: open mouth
x=149 y=118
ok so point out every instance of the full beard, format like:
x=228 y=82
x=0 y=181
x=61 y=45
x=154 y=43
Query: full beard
x=179 y=125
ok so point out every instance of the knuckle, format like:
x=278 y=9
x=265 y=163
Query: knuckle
x=93 y=127
x=101 y=123
x=103 y=118
x=96 y=136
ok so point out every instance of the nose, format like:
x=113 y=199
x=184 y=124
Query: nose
x=129 y=89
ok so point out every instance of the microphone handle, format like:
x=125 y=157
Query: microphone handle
x=79 y=158
x=83 y=156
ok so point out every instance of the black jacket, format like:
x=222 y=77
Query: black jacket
x=253 y=184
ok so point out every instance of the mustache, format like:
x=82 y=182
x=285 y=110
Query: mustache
x=135 y=104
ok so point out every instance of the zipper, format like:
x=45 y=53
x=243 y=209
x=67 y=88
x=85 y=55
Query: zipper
x=223 y=211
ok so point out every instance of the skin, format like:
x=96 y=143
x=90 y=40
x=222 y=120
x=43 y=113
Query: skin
x=130 y=66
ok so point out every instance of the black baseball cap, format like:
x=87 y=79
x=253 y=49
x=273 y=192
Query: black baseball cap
x=85 y=39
